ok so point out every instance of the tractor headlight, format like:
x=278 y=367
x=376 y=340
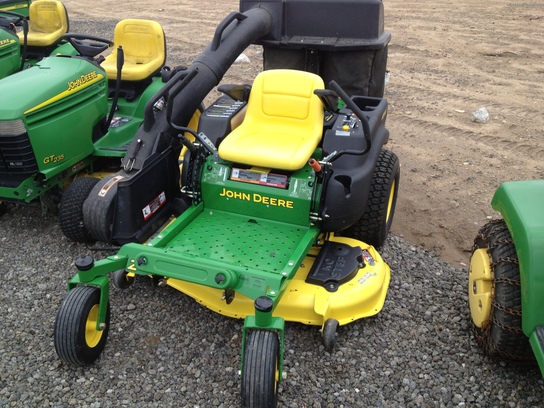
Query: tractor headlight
x=12 y=127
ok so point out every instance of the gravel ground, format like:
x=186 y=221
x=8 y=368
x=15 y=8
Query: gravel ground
x=164 y=349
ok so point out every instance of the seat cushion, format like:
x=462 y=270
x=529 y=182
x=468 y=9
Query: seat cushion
x=283 y=124
x=48 y=22
x=144 y=48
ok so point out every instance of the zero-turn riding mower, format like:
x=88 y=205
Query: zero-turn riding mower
x=272 y=173
x=74 y=113
x=506 y=285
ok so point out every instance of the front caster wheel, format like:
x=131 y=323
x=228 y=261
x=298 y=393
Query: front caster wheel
x=260 y=370
x=77 y=340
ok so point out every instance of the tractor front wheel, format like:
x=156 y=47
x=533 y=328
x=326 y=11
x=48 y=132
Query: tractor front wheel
x=494 y=294
x=71 y=209
x=260 y=374
x=77 y=340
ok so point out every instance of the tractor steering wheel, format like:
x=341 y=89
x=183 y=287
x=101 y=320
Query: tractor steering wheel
x=88 y=45
x=9 y=19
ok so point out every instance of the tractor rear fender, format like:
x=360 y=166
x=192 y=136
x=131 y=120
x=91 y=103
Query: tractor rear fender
x=349 y=185
x=520 y=204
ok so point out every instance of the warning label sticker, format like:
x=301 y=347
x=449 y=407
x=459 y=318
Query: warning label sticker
x=154 y=205
x=109 y=184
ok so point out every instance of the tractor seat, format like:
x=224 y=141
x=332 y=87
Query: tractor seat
x=283 y=123
x=48 y=22
x=144 y=47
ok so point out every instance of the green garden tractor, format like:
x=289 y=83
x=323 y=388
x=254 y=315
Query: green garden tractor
x=506 y=276
x=71 y=115
x=284 y=192
x=16 y=6
x=31 y=32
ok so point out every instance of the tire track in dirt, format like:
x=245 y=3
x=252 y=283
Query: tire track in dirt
x=496 y=142
x=448 y=178
x=529 y=113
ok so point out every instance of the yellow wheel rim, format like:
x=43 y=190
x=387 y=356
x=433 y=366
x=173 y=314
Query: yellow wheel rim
x=92 y=336
x=480 y=287
x=390 y=202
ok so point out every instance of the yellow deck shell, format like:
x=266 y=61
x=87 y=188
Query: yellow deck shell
x=363 y=296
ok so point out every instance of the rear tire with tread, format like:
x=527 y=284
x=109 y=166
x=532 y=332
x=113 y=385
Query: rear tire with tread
x=373 y=227
x=501 y=336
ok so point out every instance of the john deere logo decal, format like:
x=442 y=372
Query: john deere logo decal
x=257 y=198
x=77 y=84
x=5 y=42
x=82 y=80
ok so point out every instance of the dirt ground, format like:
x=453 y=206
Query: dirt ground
x=447 y=59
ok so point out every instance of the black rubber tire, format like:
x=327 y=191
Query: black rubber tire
x=71 y=209
x=502 y=336
x=98 y=211
x=329 y=334
x=259 y=372
x=373 y=227
x=121 y=280
x=70 y=334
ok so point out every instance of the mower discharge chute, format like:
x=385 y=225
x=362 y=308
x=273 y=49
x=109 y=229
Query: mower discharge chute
x=272 y=173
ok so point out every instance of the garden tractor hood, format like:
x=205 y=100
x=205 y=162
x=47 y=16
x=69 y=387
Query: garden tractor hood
x=67 y=79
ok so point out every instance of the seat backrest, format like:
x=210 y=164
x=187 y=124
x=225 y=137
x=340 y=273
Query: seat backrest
x=283 y=123
x=144 y=48
x=48 y=22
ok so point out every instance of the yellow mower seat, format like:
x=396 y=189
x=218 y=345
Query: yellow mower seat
x=283 y=123
x=144 y=47
x=48 y=22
